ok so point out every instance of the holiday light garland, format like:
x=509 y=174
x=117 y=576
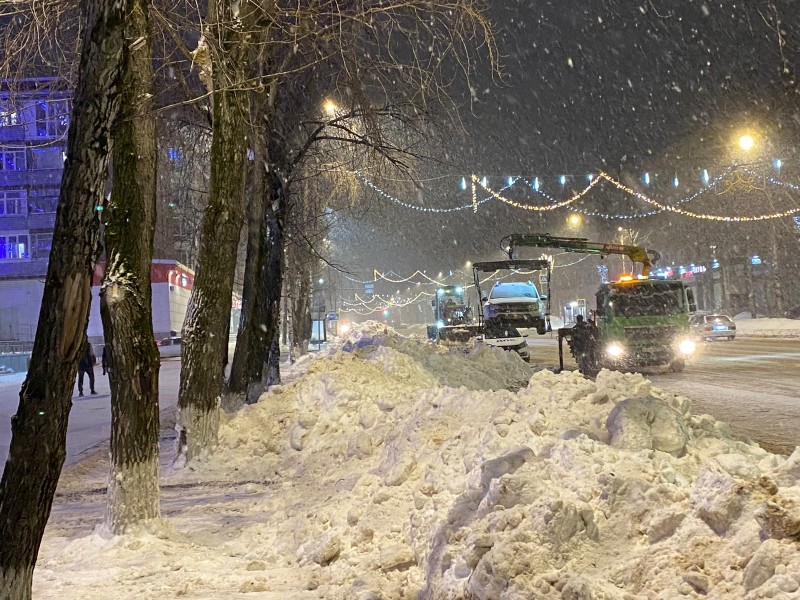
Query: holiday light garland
x=650 y=213
x=594 y=180
x=532 y=207
x=399 y=202
x=686 y=213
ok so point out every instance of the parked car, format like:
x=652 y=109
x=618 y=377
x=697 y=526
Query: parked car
x=517 y=303
x=169 y=347
x=711 y=327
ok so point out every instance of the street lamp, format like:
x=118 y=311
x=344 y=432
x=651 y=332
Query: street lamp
x=574 y=220
x=746 y=142
x=330 y=107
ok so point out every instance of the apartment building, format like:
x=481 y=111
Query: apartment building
x=34 y=119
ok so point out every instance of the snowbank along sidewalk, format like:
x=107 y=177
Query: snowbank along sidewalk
x=394 y=469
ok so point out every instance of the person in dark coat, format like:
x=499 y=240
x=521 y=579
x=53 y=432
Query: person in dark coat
x=106 y=359
x=86 y=365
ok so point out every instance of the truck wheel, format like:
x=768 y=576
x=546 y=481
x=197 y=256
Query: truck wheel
x=677 y=365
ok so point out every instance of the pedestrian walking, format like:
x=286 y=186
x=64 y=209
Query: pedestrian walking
x=105 y=361
x=86 y=366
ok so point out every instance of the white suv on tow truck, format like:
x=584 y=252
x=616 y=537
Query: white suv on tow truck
x=518 y=304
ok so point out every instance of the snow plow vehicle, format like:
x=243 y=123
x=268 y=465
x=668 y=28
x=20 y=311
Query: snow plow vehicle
x=510 y=305
x=638 y=322
x=452 y=315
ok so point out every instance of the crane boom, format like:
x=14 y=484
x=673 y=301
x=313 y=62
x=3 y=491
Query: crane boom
x=637 y=254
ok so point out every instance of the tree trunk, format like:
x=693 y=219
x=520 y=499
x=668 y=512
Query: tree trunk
x=301 y=324
x=125 y=299
x=246 y=368
x=276 y=216
x=207 y=318
x=39 y=429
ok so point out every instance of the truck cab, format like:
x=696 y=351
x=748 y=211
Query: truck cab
x=644 y=322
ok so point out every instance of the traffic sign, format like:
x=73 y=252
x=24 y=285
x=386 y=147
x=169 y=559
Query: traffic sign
x=332 y=316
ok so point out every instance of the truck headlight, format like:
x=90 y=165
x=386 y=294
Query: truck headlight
x=615 y=350
x=687 y=346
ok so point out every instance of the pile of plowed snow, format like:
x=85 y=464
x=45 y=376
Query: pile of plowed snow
x=380 y=482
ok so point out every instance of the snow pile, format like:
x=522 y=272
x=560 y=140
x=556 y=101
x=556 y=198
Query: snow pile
x=368 y=479
x=766 y=327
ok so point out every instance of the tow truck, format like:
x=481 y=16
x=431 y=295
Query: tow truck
x=638 y=322
x=452 y=316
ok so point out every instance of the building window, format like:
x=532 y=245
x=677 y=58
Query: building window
x=8 y=117
x=14 y=246
x=52 y=118
x=42 y=205
x=12 y=160
x=12 y=202
x=40 y=244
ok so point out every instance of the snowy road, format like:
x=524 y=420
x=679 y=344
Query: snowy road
x=90 y=418
x=751 y=383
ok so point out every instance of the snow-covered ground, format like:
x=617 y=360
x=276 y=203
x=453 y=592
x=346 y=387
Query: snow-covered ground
x=766 y=327
x=394 y=469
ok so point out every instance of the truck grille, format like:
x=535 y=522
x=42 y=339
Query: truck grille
x=650 y=334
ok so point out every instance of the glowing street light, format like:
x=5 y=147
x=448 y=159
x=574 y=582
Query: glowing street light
x=574 y=220
x=330 y=107
x=746 y=142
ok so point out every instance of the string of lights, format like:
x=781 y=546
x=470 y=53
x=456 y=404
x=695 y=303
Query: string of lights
x=533 y=207
x=369 y=183
x=686 y=213
x=641 y=215
x=554 y=204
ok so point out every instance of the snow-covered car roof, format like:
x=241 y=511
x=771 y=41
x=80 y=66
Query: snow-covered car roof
x=514 y=289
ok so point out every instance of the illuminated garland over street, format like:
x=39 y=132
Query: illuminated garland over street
x=396 y=200
x=687 y=213
x=594 y=180
x=650 y=213
x=534 y=207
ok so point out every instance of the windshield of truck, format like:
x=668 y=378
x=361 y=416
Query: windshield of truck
x=632 y=300
x=514 y=290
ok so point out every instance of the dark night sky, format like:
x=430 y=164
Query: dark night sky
x=587 y=84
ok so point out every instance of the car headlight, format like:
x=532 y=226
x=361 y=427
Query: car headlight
x=615 y=350
x=687 y=346
x=439 y=323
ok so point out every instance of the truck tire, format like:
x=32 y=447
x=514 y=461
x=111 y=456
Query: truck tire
x=677 y=365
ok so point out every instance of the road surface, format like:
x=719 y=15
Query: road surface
x=90 y=418
x=753 y=384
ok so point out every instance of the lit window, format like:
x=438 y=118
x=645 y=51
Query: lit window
x=14 y=246
x=8 y=118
